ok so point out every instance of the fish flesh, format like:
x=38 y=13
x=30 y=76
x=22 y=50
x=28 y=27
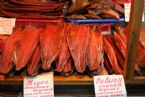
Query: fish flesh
x=95 y=50
x=33 y=64
x=50 y=42
x=112 y=57
x=26 y=46
x=8 y=49
x=64 y=53
x=120 y=43
x=78 y=40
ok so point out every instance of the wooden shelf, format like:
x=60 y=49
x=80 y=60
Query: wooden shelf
x=58 y=80
x=71 y=80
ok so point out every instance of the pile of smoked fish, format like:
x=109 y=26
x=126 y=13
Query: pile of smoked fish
x=66 y=48
x=76 y=9
x=49 y=9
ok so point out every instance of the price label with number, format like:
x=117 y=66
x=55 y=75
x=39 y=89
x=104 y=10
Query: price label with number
x=39 y=86
x=127 y=7
x=7 y=25
x=109 y=86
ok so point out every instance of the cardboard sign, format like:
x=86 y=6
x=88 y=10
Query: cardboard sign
x=109 y=86
x=127 y=7
x=7 y=25
x=39 y=86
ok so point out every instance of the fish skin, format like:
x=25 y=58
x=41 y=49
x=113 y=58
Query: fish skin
x=50 y=42
x=78 y=40
x=6 y=63
x=26 y=46
x=112 y=57
x=95 y=50
x=33 y=63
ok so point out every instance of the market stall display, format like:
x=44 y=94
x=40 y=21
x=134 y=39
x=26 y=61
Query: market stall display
x=74 y=52
x=62 y=46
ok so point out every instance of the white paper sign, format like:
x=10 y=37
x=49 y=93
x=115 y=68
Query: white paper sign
x=7 y=25
x=109 y=86
x=127 y=7
x=39 y=86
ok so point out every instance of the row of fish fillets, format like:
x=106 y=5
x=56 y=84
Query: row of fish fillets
x=63 y=46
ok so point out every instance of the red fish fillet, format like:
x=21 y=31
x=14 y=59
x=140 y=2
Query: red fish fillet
x=120 y=58
x=108 y=65
x=33 y=65
x=95 y=50
x=112 y=57
x=2 y=42
x=50 y=41
x=140 y=56
x=78 y=40
x=8 y=51
x=67 y=68
x=64 y=53
x=121 y=30
x=142 y=37
x=26 y=46
x=120 y=43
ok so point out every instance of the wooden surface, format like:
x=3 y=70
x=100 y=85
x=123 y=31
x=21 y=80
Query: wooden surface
x=58 y=80
x=71 y=80
x=77 y=89
x=133 y=37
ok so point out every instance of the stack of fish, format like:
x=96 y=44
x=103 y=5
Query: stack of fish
x=32 y=8
x=76 y=9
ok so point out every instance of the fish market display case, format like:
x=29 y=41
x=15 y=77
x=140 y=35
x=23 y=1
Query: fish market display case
x=82 y=85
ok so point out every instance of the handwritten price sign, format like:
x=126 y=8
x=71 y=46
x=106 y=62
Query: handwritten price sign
x=109 y=86
x=127 y=7
x=6 y=25
x=39 y=86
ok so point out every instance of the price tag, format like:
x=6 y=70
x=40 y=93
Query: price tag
x=109 y=86
x=39 y=86
x=7 y=25
x=127 y=7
